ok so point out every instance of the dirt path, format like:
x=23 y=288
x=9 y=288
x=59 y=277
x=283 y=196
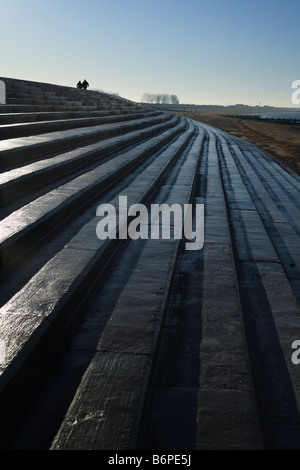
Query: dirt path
x=280 y=140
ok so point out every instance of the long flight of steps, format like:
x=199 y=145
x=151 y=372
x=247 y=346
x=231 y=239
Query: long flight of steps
x=142 y=344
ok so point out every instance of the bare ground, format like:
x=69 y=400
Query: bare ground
x=281 y=141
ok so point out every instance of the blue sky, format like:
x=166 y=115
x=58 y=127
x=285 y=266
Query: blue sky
x=204 y=51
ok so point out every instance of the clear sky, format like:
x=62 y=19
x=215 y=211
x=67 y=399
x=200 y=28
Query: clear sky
x=203 y=51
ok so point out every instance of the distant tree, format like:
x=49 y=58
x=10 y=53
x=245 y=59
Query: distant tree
x=165 y=99
x=146 y=98
x=158 y=98
x=174 y=99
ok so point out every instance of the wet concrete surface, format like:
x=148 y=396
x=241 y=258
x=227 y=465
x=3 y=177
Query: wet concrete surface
x=143 y=344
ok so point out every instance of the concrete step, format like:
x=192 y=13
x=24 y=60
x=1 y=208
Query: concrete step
x=18 y=89
x=34 y=333
x=129 y=341
x=205 y=341
x=54 y=98
x=267 y=256
x=14 y=151
x=22 y=180
x=24 y=227
x=12 y=131
x=143 y=344
x=13 y=118
x=277 y=207
x=51 y=108
x=40 y=101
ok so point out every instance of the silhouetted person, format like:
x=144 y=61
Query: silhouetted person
x=79 y=85
x=85 y=84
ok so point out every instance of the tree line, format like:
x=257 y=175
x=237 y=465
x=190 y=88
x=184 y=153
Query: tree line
x=160 y=98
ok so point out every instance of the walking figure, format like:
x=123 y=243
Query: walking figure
x=85 y=84
x=79 y=85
